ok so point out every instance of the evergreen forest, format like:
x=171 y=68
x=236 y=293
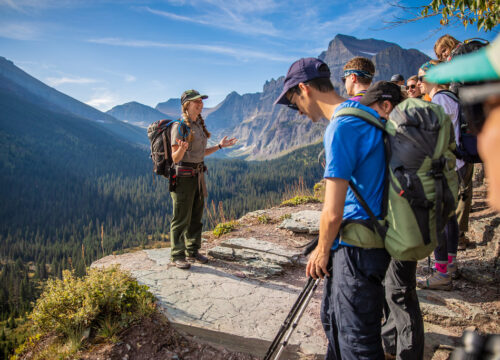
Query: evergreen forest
x=72 y=192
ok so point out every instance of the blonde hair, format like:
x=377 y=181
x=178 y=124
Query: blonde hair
x=200 y=119
x=412 y=78
x=446 y=41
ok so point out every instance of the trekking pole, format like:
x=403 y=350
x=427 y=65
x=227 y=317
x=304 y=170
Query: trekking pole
x=297 y=319
x=297 y=306
x=303 y=297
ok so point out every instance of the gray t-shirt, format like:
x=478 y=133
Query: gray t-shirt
x=196 y=150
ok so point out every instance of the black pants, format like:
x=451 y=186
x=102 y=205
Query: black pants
x=403 y=329
x=353 y=300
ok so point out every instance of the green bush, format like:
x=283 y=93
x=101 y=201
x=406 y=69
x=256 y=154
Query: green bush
x=285 y=216
x=319 y=190
x=264 y=219
x=224 y=228
x=71 y=305
x=299 y=200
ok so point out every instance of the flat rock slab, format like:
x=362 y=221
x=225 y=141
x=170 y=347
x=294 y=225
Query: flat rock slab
x=217 y=307
x=306 y=221
x=268 y=264
x=262 y=246
x=447 y=307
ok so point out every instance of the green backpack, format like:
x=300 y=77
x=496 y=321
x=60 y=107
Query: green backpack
x=421 y=186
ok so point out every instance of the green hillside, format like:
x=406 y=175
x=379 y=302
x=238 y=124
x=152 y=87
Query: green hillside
x=65 y=178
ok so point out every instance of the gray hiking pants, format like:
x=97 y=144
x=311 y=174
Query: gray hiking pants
x=403 y=328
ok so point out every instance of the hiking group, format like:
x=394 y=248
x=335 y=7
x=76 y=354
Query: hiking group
x=398 y=175
x=398 y=172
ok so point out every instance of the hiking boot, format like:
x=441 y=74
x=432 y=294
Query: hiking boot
x=437 y=281
x=197 y=258
x=182 y=264
x=452 y=270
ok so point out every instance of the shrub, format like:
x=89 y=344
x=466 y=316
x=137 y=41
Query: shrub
x=299 y=200
x=71 y=305
x=285 y=216
x=319 y=190
x=264 y=219
x=224 y=228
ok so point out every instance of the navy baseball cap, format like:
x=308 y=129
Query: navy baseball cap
x=301 y=71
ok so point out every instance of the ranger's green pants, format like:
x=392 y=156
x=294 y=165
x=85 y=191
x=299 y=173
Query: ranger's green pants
x=186 y=225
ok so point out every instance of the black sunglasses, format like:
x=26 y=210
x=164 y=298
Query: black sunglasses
x=343 y=79
x=413 y=86
x=289 y=96
x=421 y=78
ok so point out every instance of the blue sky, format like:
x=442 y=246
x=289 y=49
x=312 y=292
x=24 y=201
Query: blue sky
x=109 y=52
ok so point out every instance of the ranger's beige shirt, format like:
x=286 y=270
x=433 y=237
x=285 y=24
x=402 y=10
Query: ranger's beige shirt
x=196 y=150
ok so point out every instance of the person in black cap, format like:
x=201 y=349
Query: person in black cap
x=189 y=148
x=398 y=79
x=403 y=327
x=353 y=295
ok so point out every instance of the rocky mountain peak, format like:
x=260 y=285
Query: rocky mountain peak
x=272 y=85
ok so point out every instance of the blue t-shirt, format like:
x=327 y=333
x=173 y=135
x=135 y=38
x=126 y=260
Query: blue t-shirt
x=354 y=151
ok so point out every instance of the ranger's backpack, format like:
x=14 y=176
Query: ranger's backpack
x=421 y=185
x=161 y=147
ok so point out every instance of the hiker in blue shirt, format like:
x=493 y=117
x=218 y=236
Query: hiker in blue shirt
x=353 y=295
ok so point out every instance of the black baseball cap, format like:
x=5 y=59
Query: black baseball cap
x=190 y=95
x=382 y=90
x=301 y=71
x=397 y=77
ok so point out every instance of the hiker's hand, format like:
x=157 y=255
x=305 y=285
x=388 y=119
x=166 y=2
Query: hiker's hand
x=316 y=266
x=225 y=142
x=183 y=144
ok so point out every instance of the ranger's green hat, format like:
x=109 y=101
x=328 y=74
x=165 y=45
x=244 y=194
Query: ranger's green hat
x=482 y=65
x=190 y=95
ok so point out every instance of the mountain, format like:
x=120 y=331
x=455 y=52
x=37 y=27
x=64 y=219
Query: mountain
x=171 y=108
x=137 y=114
x=266 y=131
x=17 y=81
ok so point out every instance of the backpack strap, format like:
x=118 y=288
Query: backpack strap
x=362 y=114
x=450 y=94
x=378 y=228
x=183 y=129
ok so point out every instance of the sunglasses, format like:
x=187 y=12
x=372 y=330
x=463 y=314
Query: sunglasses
x=413 y=86
x=292 y=92
x=421 y=78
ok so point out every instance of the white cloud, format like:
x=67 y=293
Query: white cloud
x=19 y=31
x=237 y=16
x=242 y=54
x=103 y=99
x=52 y=81
x=354 y=19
